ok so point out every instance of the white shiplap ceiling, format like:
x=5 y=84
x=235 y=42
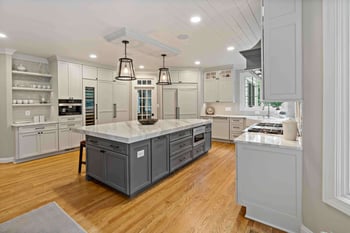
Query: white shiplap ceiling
x=76 y=28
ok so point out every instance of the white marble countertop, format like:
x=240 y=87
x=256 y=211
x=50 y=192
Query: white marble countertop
x=260 y=118
x=269 y=139
x=33 y=123
x=133 y=131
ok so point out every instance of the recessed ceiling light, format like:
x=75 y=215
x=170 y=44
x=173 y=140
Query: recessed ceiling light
x=195 y=19
x=2 y=35
x=197 y=62
x=230 y=48
x=93 y=56
x=141 y=67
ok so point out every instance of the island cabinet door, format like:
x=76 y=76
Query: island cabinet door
x=117 y=171
x=96 y=163
x=160 y=157
x=207 y=144
x=140 y=165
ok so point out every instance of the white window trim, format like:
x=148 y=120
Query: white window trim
x=336 y=98
x=242 y=104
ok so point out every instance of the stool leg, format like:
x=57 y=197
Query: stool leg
x=80 y=157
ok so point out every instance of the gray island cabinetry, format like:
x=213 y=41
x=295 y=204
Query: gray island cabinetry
x=135 y=162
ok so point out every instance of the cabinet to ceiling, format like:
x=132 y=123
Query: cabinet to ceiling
x=184 y=76
x=218 y=86
x=89 y=72
x=70 y=80
x=282 y=50
x=105 y=74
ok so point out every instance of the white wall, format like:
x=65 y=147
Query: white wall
x=317 y=215
x=7 y=147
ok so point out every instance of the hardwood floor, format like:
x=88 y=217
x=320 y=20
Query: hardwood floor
x=197 y=198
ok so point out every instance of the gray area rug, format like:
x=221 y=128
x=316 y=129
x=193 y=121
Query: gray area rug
x=49 y=218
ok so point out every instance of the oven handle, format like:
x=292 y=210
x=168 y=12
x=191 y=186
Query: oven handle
x=63 y=105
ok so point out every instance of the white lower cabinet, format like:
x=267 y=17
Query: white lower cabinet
x=28 y=144
x=36 y=140
x=67 y=138
x=221 y=128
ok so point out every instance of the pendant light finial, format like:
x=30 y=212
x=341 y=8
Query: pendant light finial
x=164 y=74
x=126 y=70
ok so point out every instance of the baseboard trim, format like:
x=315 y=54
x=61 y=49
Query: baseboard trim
x=304 y=229
x=6 y=160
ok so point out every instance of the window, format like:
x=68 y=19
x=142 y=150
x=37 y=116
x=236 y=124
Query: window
x=336 y=105
x=144 y=104
x=250 y=91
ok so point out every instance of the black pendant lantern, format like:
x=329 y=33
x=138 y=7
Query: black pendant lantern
x=126 y=68
x=164 y=74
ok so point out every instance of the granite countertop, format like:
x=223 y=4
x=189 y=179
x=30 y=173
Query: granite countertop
x=133 y=131
x=269 y=140
x=33 y=123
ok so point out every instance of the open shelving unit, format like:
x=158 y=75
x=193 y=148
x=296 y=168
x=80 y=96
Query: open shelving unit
x=30 y=89
x=31 y=73
x=31 y=105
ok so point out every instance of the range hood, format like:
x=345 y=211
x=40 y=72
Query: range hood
x=253 y=57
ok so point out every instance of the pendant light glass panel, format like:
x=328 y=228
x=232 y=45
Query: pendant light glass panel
x=164 y=74
x=126 y=70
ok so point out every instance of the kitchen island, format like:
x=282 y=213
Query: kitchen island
x=130 y=157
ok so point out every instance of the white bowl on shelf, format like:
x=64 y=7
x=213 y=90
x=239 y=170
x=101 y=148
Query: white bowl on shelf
x=31 y=101
x=14 y=101
x=25 y=101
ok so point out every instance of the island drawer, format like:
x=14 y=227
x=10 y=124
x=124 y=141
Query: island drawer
x=181 y=134
x=181 y=145
x=108 y=145
x=180 y=159
x=198 y=150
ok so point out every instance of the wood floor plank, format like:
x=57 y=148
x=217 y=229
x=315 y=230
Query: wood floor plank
x=199 y=198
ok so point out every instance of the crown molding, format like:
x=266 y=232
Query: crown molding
x=7 y=51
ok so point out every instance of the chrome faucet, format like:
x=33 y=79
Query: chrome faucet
x=268 y=109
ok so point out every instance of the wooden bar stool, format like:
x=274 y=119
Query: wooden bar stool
x=82 y=145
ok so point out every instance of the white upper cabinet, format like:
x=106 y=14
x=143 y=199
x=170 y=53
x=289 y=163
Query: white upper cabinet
x=69 y=80
x=218 y=86
x=282 y=50
x=63 y=80
x=105 y=74
x=184 y=76
x=89 y=72
x=75 y=81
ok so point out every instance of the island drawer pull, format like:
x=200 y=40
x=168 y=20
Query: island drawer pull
x=93 y=141
x=102 y=151
x=114 y=146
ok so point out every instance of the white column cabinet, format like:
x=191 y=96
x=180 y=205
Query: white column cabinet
x=105 y=102
x=69 y=80
x=282 y=50
x=121 y=101
x=182 y=98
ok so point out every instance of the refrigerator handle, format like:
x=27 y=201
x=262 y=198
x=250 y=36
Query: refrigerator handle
x=177 y=112
x=96 y=111
x=114 y=110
